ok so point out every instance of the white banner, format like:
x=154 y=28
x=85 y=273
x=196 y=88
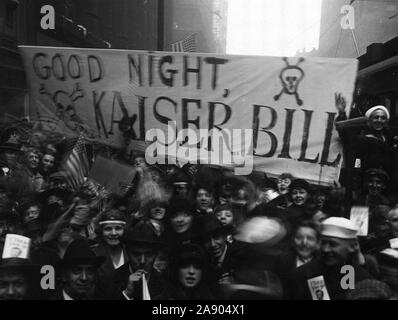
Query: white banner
x=117 y=95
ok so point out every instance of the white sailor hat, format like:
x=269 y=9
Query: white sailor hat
x=375 y=108
x=339 y=228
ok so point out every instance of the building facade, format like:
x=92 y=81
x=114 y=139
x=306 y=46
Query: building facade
x=118 y=24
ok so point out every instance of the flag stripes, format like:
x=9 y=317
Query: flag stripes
x=76 y=166
x=188 y=44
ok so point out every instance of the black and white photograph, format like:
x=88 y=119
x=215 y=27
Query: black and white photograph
x=221 y=151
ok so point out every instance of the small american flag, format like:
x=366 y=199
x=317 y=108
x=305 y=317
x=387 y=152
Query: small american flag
x=186 y=45
x=76 y=165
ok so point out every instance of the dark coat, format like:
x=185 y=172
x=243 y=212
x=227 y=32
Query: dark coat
x=57 y=295
x=177 y=292
x=107 y=267
x=116 y=283
x=297 y=287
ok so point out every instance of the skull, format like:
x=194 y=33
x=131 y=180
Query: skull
x=291 y=77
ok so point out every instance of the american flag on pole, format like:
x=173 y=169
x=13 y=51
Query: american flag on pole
x=76 y=165
x=188 y=44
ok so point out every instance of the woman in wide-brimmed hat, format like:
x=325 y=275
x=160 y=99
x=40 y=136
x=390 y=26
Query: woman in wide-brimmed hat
x=189 y=275
x=181 y=223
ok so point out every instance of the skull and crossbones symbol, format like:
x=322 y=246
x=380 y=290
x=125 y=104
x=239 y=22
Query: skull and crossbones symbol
x=290 y=76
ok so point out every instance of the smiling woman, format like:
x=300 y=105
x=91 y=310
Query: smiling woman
x=111 y=230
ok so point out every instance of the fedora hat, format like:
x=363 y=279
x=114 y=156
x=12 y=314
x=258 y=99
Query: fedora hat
x=142 y=234
x=79 y=252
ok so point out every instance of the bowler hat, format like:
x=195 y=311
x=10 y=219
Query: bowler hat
x=79 y=252
x=20 y=264
x=142 y=234
x=180 y=177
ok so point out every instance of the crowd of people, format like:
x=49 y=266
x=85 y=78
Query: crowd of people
x=197 y=232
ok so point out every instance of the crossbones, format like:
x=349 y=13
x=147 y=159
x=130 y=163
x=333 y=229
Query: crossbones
x=290 y=76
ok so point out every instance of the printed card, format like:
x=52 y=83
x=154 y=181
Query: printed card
x=360 y=216
x=16 y=246
x=318 y=288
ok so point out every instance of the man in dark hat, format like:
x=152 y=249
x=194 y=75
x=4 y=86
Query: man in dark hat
x=57 y=180
x=215 y=236
x=129 y=281
x=78 y=269
x=19 y=278
x=181 y=183
x=54 y=202
x=374 y=185
x=9 y=157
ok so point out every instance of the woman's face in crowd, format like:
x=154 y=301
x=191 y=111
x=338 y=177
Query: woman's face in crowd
x=157 y=212
x=305 y=242
x=283 y=185
x=226 y=217
x=375 y=185
x=181 y=222
x=189 y=275
x=112 y=232
x=47 y=162
x=204 y=199
x=378 y=120
x=299 y=196
x=31 y=213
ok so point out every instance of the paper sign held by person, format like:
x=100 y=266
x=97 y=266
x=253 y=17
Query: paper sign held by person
x=318 y=288
x=360 y=216
x=16 y=246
